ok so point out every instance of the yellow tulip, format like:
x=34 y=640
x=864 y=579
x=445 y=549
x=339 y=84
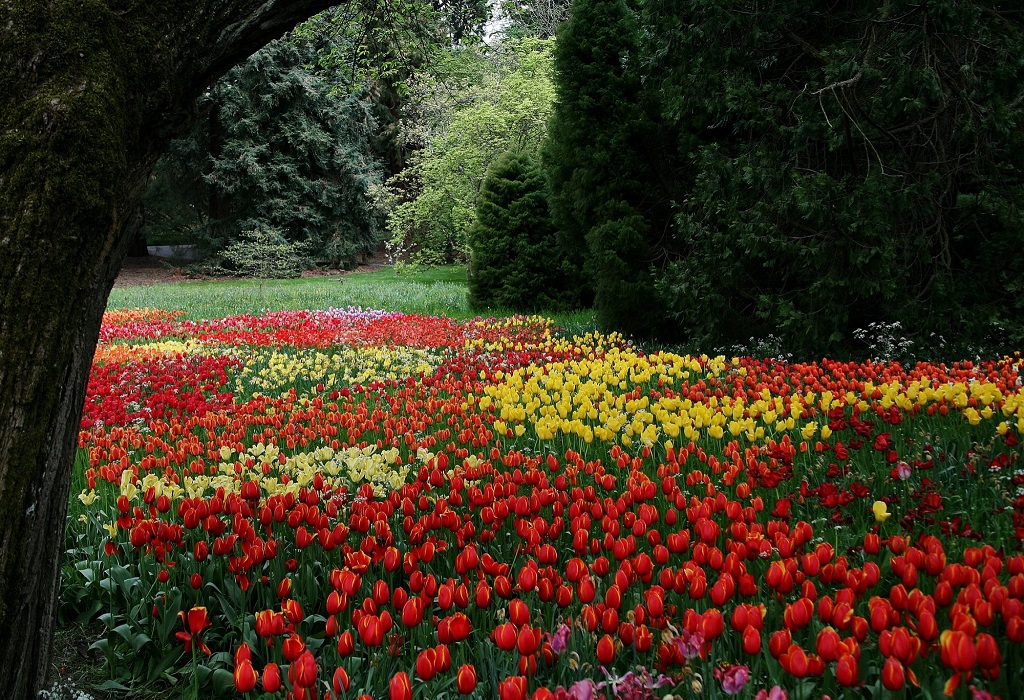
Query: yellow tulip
x=881 y=511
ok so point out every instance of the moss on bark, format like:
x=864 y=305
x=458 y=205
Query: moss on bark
x=90 y=94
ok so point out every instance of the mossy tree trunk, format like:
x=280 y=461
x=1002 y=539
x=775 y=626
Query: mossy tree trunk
x=91 y=92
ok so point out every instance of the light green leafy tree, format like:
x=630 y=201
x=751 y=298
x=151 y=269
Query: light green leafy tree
x=480 y=102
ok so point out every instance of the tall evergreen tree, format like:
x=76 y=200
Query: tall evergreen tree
x=607 y=160
x=295 y=157
x=515 y=261
x=851 y=163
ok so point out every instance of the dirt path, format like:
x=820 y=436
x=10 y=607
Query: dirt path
x=140 y=272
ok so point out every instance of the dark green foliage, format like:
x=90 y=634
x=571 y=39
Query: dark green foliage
x=295 y=157
x=296 y=138
x=279 y=145
x=515 y=262
x=175 y=203
x=851 y=163
x=609 y=160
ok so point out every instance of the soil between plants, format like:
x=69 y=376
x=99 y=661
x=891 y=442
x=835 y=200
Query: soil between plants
x=141 y=272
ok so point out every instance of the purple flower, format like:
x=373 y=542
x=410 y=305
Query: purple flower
x=903 y=471
x=981 y=694
x=560 y=639
x=689 y=644
x=733 y=678
x=582 y=690
x=776 y=693
x=633 y=686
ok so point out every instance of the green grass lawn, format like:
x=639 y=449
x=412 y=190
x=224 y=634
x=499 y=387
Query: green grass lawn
x=430 y=291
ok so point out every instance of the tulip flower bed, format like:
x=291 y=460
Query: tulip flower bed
x=356 y=503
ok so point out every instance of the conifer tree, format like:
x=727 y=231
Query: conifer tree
x=607 y=160
x=849 y=164
x=295 y=157
x=515 y=261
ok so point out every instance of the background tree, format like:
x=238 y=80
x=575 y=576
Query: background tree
x=297 y=138
x=378 y=48
x=538 y=18
x=176 y=204
x=90 y=95
x=609 y=160
x=850 y=163
x=295 y=156
x=515 y=262
x=477 y=103
x=283 y=142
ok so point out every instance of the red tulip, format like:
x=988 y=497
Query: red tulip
x=483 y=594
x=795 y=661
x=412 y=612
x=443 y=658
x=513 y=688
x=586 y=590
x=302 y=672
x=527 y=641
x=644 y=639
x=956 y=650
x=606 y=649
x=425 y=664
x=465 y=679
x=751 y=641
x=292 y=647
x=893 y=676
x=989 y=656
x=195 y=621
x=828 y=644
x=400 y=687
x=779 y=642
x=340 y=682
x=505 y=636
x=269 y=623
x=271 y=678
x=1015 y=629
x=371 y=630
x=292 y=610
x=245 y=676
x=527 y=579
x=518 y=612
x=846 y=670
x=798 y=615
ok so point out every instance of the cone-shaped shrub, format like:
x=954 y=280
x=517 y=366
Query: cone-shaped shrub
x=515 y=261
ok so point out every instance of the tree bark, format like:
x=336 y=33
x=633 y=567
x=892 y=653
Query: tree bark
x=91 y=92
